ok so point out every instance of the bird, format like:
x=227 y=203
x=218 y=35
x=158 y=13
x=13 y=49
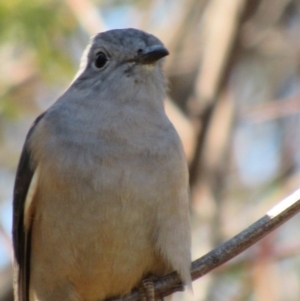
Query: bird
x=101 y=195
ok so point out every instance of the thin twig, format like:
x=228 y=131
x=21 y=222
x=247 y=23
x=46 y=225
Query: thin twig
x=279 y=214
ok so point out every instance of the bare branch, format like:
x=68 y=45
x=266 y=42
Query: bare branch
x=279 y=214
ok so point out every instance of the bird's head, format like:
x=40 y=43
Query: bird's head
x=122 y=60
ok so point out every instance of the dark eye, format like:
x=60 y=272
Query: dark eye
x=100 y=60
x=140 y=51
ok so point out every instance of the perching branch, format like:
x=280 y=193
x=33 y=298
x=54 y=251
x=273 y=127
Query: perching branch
x=279 y=214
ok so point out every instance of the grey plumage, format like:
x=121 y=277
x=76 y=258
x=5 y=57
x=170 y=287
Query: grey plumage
x=104 y=199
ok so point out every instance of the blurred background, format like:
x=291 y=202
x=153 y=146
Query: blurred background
x=234 y=97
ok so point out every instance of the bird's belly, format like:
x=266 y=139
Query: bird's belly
x=95 y=244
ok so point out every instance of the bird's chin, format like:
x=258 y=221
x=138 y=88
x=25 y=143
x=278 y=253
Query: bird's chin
x=149 y=67
x=138 y=71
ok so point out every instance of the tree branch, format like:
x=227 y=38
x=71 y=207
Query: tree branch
x=279 y=214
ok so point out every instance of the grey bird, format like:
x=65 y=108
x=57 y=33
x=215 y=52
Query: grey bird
x=101 y=192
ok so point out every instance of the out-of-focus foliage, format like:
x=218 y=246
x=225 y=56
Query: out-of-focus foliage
x=41 y=27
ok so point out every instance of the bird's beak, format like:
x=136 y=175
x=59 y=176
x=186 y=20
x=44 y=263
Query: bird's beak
x=151 y=54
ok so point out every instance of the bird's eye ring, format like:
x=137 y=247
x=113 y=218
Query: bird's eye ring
x=100 y=60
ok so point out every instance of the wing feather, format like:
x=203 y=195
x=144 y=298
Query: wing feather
x=22 y=235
